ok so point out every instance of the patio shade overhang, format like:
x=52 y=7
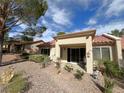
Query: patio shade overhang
x=76 y=34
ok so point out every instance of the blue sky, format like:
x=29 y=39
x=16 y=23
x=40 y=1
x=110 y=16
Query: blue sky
x=78 y=15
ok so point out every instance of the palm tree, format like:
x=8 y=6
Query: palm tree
x=16 y=12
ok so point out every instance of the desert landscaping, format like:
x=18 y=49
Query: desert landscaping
x=48 y=80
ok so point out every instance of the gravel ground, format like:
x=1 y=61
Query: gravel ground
x=48 y=81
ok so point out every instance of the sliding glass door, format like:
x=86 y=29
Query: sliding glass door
x=76 y=55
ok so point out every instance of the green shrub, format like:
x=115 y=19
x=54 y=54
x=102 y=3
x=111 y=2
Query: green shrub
x=112 y=69
x=68 y=68
x=78 y=75
x=109 y=84
x=18 y=84
x=43 y=59
x=36 y=58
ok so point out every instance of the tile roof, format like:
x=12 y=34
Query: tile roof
x=99 y=40
x=47 y=44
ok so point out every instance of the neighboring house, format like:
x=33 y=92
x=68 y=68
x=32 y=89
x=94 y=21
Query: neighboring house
x=20 y=46
x=84 y=48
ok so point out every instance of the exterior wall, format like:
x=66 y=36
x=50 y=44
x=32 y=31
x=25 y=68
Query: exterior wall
x=52 y=53
x=119 y=53
x=27 y=48
x=69 y=41
x=32 y=48
x=114 y=53
x=64 y=54
x=89 y=55
x=84 y=40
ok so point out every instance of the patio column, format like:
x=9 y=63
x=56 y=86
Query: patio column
x=57 y=50
x=119 y=53
x=89 y=55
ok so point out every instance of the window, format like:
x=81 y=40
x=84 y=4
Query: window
x=45 y=51
x=105 y=54
x=101 y=53
x=96 y=54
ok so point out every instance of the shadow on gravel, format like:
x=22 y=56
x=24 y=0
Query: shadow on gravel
x=99 y=86
x=12 y=62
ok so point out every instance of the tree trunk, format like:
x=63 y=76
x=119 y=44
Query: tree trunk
x=1 y=46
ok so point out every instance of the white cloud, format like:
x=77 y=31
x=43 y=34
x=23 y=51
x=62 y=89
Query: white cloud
x=106 y=28
x=109 y=27
x=62 y=17
x=47 y=35
x=115 y=8
x=92 y=22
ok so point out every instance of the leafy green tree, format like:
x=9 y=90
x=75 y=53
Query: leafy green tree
x=122 y=32
x=30 y=33
x=115 y=32
x=61 y=33
x=6 y=37
x=16 y=12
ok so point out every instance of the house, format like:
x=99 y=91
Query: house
x=84 y=48
x=14 y=46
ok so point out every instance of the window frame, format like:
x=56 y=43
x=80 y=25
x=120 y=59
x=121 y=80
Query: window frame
x=110 y=49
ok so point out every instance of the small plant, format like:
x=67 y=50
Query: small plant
x=45 y=62
x=36 y=58
x=58 y=65
x=68 y=68
x=109 y=84
x=18 y=84
x=78 y=75
x=112 y=70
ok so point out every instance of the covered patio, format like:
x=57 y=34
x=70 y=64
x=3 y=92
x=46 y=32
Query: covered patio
x=76 y=48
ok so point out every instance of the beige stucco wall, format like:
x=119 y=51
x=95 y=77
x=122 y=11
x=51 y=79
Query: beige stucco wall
x=52 y=53
x=84 y=40
x=64 y=54
x=32 y=48
x=75 y=40
x=119 y=53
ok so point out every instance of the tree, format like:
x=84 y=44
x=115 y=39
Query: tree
x=16 y=12
x=6 y=37
x=115 y=32
x=122 y=32
x=61 y=33
x=30 y=33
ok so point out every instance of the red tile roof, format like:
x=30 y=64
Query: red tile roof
x=99 y=40
x=47 y=44
x=122 y=42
